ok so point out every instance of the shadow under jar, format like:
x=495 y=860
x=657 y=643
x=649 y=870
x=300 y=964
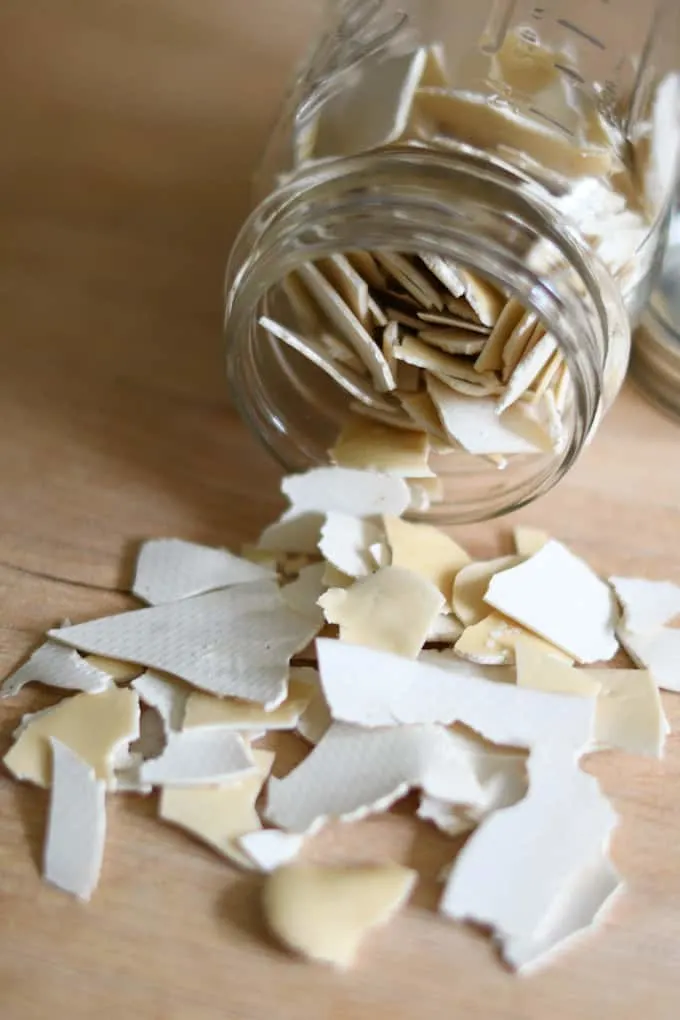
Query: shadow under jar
x=455 y=230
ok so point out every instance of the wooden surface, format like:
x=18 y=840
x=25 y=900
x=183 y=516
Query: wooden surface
x=129 y=130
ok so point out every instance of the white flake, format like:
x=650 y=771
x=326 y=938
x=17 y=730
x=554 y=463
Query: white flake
x=557 y=595
x=346 y=491
x=354 y=772
x=373 y=688
x=659 y=652
x=346 y=542
x=76 y=826
x=199 y=756
x=55 y=666
x=236 y=641
x=550 y=836
x=293 y=532
x=270 y=849
x=167 y=696
x=647 y=605
x=302 y=594
x=473 y=422
x=169 y=569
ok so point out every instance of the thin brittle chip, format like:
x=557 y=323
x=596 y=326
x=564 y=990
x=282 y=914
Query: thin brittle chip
x=56 y=666
x=473 y=423
x=411 y=278
x=76 y=827
x=302 y=594
x=166 y=695
x=541 y=671
x=446 y=272
x=526 y=371
x=365 y=687
x=659 y=652
x=557 y=596
x=219 y=815
x=647 y=605
x=353 y=772
x=269 y=849
x=346 y=542
x=470 y=584
x=324 y=913
x=347 y=324
x=392 y=609
x=374 y=446
x=93 y=726
x=199 y=756
x=345 y=376
x=169 y=569
x=550 y=836
x=230 y=713
x=486 y=302
x=349 y=284
x=628 y=713
x=425 y=550
x=529 y=540
x=346 y=491
x=237 y=641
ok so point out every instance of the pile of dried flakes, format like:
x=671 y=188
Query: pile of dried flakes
x=489 y=727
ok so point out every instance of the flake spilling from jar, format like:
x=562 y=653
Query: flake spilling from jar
x=448 y=361
x=473 y=685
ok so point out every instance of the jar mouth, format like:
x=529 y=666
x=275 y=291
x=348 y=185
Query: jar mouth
x=485 y=217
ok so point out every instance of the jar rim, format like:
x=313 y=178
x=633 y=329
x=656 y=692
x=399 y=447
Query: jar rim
x=414 y=199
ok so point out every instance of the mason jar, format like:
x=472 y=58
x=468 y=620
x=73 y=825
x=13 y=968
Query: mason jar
x=525 y=154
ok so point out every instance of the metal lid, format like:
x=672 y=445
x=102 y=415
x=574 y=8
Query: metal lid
x=655 y=361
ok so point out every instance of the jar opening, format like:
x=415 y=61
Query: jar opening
x=482 y=217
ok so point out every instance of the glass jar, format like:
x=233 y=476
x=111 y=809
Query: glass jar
x=523 y=155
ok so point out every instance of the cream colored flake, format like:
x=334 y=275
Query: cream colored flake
x=628 y=713
x=435 y=73
x=486 y=124
x=546 y=376
x=232 y=714
x=334 y=578
x=387 y=689
x=550 y=836
x=366 y=266
x=236 y=641
x=373 y=446
x=117 y=670
x=419 y=353
x=358 y=386
x=446 y=272
x=199 y=756
x=460 y=317
x=169 y=569
x=485 y=300
x=316 y=718
x=76 y=827
x=470 y=584
x=220 y=815
x=342 y=275
x=324 y=913
x=453 y=341
x=425 y=550
x=491 y=357
x=557 y=596
x=345 y=543
x=530 y=422
x=392 y=609
x=373 y=108
x=659 y=652
x=408 y=276
x=517 y=343
x=480 y=642
x=55 y=666
x=526 y=371
x=269 y=849
x=422 y=410
x=353 y=772
x=93 y=726
x=468 y=387
x=473 y=423
x=529 y=540
x=349 y=327
x=541 y=671
x=647 y=605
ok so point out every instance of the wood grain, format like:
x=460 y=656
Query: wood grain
x=129 y=132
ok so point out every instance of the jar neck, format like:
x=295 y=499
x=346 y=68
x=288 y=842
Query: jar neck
x=479 y=213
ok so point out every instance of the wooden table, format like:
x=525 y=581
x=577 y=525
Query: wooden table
x=129 y=131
